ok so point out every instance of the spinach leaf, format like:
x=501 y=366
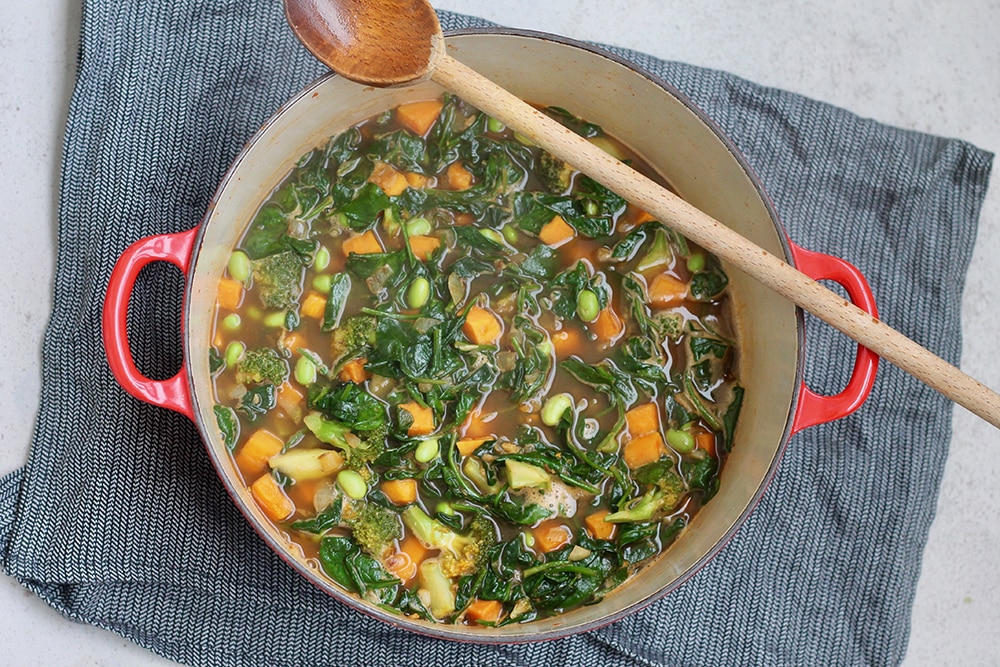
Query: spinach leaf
x=349 y=404
x=401 y=149
x=361 y=213
x=228 y=423
x=340 y=289
x=324 y=521
x=258 y=401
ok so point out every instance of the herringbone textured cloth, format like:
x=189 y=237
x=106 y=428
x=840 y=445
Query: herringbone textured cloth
x=118 y=519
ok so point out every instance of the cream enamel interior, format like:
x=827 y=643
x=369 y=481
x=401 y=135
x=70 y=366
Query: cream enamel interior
x=664 y=131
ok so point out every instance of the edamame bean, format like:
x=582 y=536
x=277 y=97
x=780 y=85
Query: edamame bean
x=587 y=305
x=418 y=293
x=492 y=235
x=494 y=125
x=323 y=282
x=231 y=322
x=696 y=262
x=239 y=266
x=321 y=259
x=427 y=450
x=555 y=407
x=233 y=353
x=680 y=440
x=275 y=320
x=305 y=371
x=510 y=234
x=352 y=483
x=418 y=227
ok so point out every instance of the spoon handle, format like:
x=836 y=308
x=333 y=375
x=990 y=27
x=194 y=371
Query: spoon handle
x=720 y=240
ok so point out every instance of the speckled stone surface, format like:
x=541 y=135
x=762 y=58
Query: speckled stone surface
x=927 y=66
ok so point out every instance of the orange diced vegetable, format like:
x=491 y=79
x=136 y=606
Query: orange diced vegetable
x=644 y=449
x=464 y=218
x=417 y=180
x=642 y=216
x=354 y=371
x=466 y=446
x=387 y=177
x=608 y=326
x=481 y=326
x=400 y=491
x=362 y=244
x=598 y=528
x=550 y=535
x=418 y=117
x=313 y=305
x=403 y=564
x=230 y=293
x=705 y=441
x=566 y=342
x=666 y=290
x=253 y=455
x=485 y=611
x=291 y=401
x=555 y=232
x=423 y=419
x=292 y=341
x=478 y=425
x=422 y=246
x=458 y=177
x=643 y=419
x=271 y=498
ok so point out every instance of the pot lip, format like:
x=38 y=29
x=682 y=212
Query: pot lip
x=558 y=632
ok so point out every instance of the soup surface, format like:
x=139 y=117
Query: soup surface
x=475 y=385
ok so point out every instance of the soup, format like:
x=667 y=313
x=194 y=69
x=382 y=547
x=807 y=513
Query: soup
x=473 y=384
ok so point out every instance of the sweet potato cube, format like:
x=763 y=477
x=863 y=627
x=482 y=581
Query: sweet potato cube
x=417 y=180
x=478 y=425
x=643 y=419
x=644 y=449
x=291 y=400
x=466 y=446
x=422 y=246
x=361 y=244
x=400 y=491
x=313 y=305
x=484 y=611
x=230 y=293
x=271 y=498
x=705 y=441
x=354 y=371
x=608 y=327
x=555 y=232
x=566 y=342
x=550 y=535
x=253 y=455
x=403 y=564
x=423 y=419
x=598 y=528
x=481 y=326
x=417 y=117
x=458 y=177
x=387 y=177
x=666 y=290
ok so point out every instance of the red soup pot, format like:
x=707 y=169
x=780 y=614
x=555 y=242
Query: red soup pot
x=673 y=136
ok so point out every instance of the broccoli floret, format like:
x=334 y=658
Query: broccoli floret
x=278 y=279
x=359 y=449
x=555 y=174
x=260 y=365
x=662 y=496
x=659 y=252
x=374 y=528
x=461 y=555
x=354 y=334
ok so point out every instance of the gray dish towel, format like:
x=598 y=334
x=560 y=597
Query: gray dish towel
x=118 y=519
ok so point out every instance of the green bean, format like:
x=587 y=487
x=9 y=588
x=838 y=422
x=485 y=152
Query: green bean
x=555 y=407
x=231 y=322
x=321 y=259
x=239 y=266
x=305 y=371
x=427 y=450
x=352 y=483
x=680 y=440
x=233 y=353
x=587 y=305
x=323 y=282
x=418 y=293
x=696 y=262
x=418 y=227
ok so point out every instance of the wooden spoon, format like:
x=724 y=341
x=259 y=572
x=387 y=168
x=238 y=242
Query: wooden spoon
x=393 y=42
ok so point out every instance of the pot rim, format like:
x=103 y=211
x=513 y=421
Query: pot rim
x=444 y=631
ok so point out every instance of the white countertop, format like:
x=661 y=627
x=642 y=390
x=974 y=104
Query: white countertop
x=920 y=64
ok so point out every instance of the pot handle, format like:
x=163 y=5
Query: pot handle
x=815 y=408
x=172 y=393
